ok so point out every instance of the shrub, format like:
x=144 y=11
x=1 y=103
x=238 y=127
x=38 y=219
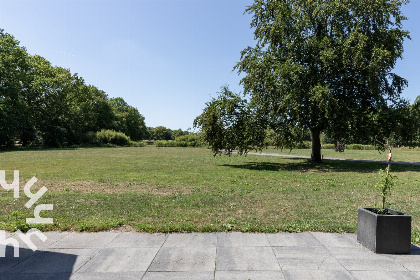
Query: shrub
x=137 y=144
x=113 y=137
x=182 y=141
x=328 y=146
x=191 y=140
x=303 y=145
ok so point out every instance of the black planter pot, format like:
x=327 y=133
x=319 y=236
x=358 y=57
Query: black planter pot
x=384 y=233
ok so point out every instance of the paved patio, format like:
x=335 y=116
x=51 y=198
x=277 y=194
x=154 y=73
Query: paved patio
x=130 y=255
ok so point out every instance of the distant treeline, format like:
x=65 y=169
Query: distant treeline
x=46 y=105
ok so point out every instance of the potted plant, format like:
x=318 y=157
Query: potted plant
x=384 y=230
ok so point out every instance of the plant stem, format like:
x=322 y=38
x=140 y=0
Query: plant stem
x=388 y=169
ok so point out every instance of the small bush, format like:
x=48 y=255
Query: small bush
x=113 y=137
x=195 y=140
x=192 y=140
x=328 y=146
x=303 y=145
x=176 y=143
x=360 y=147
x=137 y=144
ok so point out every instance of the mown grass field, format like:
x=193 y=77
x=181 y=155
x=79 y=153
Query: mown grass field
x=187 y=189
x=405 y=155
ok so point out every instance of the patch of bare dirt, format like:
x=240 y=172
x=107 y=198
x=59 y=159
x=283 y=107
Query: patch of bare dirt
x=111 y=187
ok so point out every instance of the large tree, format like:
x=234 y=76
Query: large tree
x=322 y=65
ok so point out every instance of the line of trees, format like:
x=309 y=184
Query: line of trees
x=46 y=105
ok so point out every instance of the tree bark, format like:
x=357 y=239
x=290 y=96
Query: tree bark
x=316 y=146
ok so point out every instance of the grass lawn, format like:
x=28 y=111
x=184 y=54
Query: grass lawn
x=404 y=155
x=187 y=189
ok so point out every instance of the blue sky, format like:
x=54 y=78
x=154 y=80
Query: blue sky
x=167 y=58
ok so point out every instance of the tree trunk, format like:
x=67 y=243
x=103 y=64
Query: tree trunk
x=316 y=146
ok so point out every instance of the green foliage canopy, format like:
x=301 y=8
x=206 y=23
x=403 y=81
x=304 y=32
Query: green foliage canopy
x=322 y=65
x=41 y=104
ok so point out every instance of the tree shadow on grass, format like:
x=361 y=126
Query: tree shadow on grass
x=302 y=165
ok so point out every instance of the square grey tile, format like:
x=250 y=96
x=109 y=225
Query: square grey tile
x=37 y=276
x=317 y=274
x=52 y=237
x=331 y=240
x=107 y=276
x=235 y=239
x=121 y=260
x=179 y=275
x=249 y=275
x=137 y=240
x=310 y=258
x=303 y=239
x=246 y=258
x=410 y=261
x=85 y=240
x=54 y=261
x=362 y=259
x=184 y=259
x=361 y=264
x=10 y=260
x=383 y=275
x=191 y=240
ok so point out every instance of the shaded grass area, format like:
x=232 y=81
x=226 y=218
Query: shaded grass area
x=405 y=155
x=187 y=189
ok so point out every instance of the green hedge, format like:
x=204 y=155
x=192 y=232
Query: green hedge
x=192 y=140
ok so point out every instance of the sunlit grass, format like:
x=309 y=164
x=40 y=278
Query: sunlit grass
x=187 y=189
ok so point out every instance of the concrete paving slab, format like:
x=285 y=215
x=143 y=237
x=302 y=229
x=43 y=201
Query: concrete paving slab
x=121 y=260
x=304 y=239
x=37 y=276
x=10 y=260
x=383 y=275
x=246 y=258
x=52 y=238
x=331 y=240
x=138 y=240
x=310 y=258
x=107 y=276
x=317 y=274
x=363 y=264
x=239 y=239
x=54 y=261
x=184 y=259
x=410 y=261
x=129 y=255
x=179 y=275
x=249 y=275
x=194 y=240
x=85 y=240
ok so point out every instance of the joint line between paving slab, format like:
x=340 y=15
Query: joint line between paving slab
x=163 y=243
x=215 y=257
x=274 y=253
x=331 y=254
x=96 y=253
x=28 y=257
